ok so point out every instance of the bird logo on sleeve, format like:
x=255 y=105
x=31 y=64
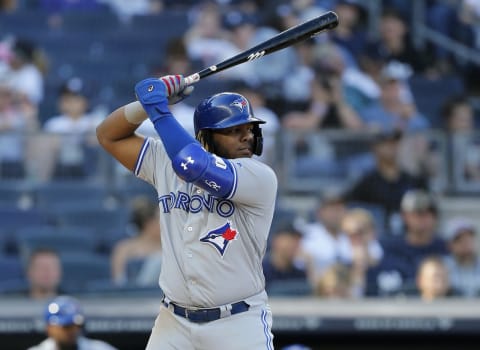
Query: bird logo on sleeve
x=220 y=238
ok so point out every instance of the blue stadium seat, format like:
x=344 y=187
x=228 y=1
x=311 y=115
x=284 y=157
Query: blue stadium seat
x=12 y=218
x=108 y=288
x=81 y=269
x=68 y=243
x=15 y=195
x=429 y=95
x=99 y=220
x=290 y=288
x=11 y=268
x=176 y=21
x=132 y=187
x=14 y=287
x=74 y=194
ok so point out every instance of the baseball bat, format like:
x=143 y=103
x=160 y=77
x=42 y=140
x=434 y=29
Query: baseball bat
x=288 y=37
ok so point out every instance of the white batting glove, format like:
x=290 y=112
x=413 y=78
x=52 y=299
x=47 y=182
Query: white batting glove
x=177 y=90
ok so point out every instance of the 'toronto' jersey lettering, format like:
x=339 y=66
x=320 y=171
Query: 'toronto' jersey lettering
x=196 y=203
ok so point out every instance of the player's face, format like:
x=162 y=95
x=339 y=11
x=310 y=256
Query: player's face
x=234 y=142
x=64 y=336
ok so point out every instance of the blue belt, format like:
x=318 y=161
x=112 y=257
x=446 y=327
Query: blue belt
x=207 y=315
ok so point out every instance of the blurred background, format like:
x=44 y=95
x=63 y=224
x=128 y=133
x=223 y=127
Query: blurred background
x=371 y=129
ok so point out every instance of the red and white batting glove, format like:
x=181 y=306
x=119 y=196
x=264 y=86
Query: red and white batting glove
x=177 y=90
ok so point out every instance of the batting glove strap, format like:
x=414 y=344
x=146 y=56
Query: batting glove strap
x=152 y=94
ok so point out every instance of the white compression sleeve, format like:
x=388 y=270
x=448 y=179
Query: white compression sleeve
x=134 y=113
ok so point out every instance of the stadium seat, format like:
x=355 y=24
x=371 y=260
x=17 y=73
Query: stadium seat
x=68 y=243
x=108 y=288
x=132 y=187
x=15 y=195
x=80 y=269
x=290 y=288
x=14 y=287
x=430 y=94
x=100 y=220
x=74 y=194
x=11 y=268
x=12 y=218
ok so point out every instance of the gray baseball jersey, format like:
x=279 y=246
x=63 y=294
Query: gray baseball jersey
x=212 y=248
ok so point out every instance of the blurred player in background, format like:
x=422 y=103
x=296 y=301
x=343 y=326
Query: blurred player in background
x=64 y=320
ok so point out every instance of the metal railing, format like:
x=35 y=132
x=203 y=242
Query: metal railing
x=305 y=162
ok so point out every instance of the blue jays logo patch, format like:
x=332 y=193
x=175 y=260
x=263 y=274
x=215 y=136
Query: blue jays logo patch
x=240 y=103
x=220 y=237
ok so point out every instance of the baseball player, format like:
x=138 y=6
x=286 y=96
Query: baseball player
x=216 y=206
x=64 y=320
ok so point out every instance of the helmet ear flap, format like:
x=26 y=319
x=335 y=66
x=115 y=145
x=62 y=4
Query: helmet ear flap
x=258 y=142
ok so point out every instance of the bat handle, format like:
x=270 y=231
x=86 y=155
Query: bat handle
x=192 y=79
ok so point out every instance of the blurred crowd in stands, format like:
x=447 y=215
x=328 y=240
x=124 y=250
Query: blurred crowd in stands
x=381 y=118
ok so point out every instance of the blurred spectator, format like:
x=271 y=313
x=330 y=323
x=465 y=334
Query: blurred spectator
x=462 y=142
x=271 y=71
x=279 y=263
x=432 y=279
x=75 y=128
x=394 y=42
x=176 y=61
x=144 y=216
x=323 y=242
x=396 y=272
x=328 y=107
x=458 y=115
x=469 y=18
x=241 y=29
x=396 y=107
x=44 y=274
x=443 y=17
x=18 y=117
x=26 y=67
x=359 y=225
x=149 y=271
x=64 y=321
x=335 y=282
x=386 y=184
x=350 y=33
x=207 y=40
x=463 y=263
x=422 y=155
x=125 y=9
x=8 y=6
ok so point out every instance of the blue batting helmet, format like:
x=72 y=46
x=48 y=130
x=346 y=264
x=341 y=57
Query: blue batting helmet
x=224 y=110
x=64 y=311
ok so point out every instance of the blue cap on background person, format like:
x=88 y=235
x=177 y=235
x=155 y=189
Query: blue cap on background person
x=73 y=86
x=64 y=311
x=296 y=347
